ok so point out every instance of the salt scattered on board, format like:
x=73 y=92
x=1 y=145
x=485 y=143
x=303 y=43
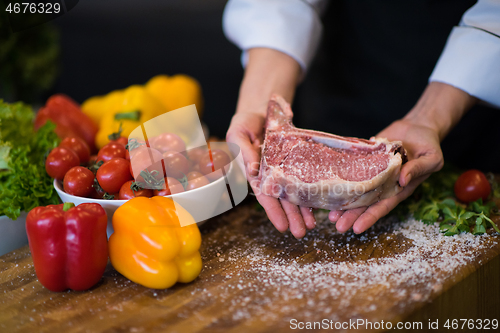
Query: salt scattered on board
x=346 y=280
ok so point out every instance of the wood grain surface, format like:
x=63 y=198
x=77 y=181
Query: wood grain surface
x=257 y=280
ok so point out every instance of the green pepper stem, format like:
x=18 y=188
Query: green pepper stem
x=131 y=115
x=116 y=135
x=67 y=206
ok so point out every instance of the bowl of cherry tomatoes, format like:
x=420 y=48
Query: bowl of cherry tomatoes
x=124 y=169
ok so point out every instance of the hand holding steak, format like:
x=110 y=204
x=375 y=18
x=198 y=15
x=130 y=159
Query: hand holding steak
x=315 y=169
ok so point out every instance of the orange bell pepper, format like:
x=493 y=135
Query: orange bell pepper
x=149 y=245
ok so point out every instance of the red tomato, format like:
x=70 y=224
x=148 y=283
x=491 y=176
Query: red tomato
x=92 y=159
x=78 y=181
x=113 y=173
x=123 y=140
x=196 y=180
x=96 y=194
x=173 y=186
x=194 y=167
x=196 y=154
x=472 y=185
x=110 y=151
x=59 y=161
x=220 y=160
x=132 y=145
x=79 y=146
x=176 y=165
x=168 y=141
x=126 y=191
x=140 y=159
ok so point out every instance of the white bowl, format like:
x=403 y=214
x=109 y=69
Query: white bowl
x=202 y=203
x=12 y=233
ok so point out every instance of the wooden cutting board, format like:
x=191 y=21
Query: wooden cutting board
x=258 y=280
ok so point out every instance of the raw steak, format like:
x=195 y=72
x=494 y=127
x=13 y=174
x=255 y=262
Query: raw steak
x=321 y=170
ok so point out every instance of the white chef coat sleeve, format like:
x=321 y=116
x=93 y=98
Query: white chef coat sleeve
x=470 y=60
x=290 y=26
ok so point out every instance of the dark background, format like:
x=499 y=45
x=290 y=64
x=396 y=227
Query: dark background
x=111 y=44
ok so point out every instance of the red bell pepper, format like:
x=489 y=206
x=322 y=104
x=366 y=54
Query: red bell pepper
x=69 y=119
x=68 y=245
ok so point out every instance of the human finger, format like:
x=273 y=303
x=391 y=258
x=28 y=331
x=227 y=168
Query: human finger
x=274 y=212
x=348 y=218
x=309 y=219
x=423 y=165
x=383 y=207
x=334 y=215
x=295 y=219
x=251 y=153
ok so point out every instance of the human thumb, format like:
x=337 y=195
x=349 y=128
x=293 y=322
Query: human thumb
x=421 y=166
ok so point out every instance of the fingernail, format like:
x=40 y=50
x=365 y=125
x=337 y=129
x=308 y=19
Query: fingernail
x=408 y=179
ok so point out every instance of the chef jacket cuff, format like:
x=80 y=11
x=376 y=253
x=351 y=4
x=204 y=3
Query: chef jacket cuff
x=289 y=26
x=471 y=62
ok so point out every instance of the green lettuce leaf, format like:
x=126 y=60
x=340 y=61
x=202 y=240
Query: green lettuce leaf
x=16 y=123
x=24 y=184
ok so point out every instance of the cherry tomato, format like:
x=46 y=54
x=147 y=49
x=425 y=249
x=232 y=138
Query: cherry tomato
x=92 y=159
x=113 y=173
x=472 y=185
x=136 y=143
x=78 y=181
x=168 y=141
x=126 y=191
x=79 y=146
x=196 y=154
x=132 y=145
x=196 y=180
x=194 y=167
x=140 y=159
x=96 y=194
x=220 y=160
x=176 y=165
x=59 y=161
x=110 y=151
x=173 y=186
x=122 y=140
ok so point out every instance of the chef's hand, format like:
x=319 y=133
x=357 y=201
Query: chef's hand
x=438 y=110
x=246 y=131
x=424 y=157
x=267 y=72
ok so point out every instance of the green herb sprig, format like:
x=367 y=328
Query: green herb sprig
x=433 y=201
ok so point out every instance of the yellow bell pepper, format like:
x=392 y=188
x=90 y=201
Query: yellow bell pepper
x=130 y=108
x=176 y=91
x=92 y=107
x=96 y=107
x=150 y=247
